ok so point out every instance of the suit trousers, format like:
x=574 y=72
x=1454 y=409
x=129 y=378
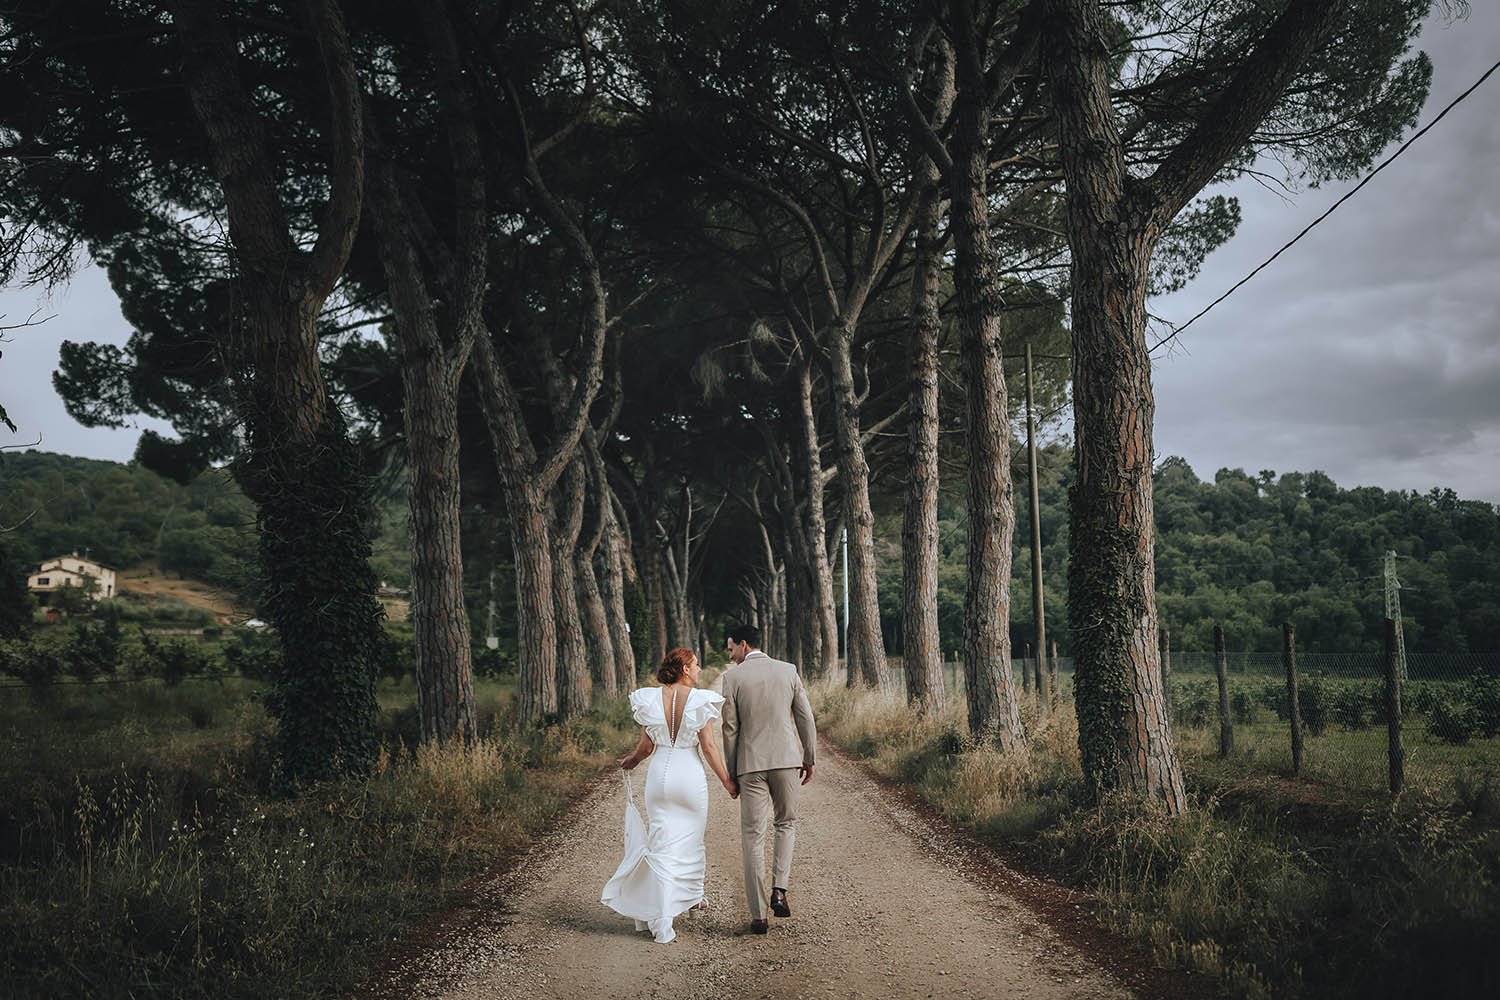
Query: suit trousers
x=764 y=794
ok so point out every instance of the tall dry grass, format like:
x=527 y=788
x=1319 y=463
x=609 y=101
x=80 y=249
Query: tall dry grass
x=172 y=872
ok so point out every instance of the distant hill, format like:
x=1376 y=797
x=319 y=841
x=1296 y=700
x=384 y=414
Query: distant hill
x=151 y=529
x=125 y=516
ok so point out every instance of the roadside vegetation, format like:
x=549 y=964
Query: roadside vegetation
x=1271 y=886
x=143 y=853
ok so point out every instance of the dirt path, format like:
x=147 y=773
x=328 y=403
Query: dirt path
x=884 y=904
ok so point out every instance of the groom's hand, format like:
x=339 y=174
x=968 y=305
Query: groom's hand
x=806 y=771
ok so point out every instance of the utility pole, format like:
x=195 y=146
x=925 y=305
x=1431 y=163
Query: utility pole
x=844 y=638
x=1393 y=609
x=1038 y=613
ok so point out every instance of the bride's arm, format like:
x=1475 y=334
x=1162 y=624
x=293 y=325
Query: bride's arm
x=641 y=752
x=710 y=749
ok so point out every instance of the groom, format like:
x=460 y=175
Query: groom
x=769 y=738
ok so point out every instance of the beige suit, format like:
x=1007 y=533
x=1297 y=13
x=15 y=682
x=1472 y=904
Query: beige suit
x=768 y=734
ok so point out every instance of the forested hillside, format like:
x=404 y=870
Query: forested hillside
x=1245 y=552
x=1250 y=552
x=126 y=515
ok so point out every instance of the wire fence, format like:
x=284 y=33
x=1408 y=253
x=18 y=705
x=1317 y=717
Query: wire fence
x=1449 y=731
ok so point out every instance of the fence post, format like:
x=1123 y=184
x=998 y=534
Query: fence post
x=1289 y=659
x=1026 y=669
x=1221 y=667
x=1052 y=672
x=1396 y=753
x=1039 y=664
x=1166 y=671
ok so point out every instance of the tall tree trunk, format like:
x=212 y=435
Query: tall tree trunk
x=536 y=617
x=300 y=470
x=612 y=548
x=866 y=645
x=921 y=649
x=1114 y=222
x=993 y=713
x=445 y=687
x=807 y=459
x=430 y=368
x=573 y=687
x=597 y=635
x=1124 y=733
x=529 y=517
x=649 y=563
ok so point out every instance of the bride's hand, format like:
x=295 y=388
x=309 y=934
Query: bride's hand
x=733 y=788
x=628 y=762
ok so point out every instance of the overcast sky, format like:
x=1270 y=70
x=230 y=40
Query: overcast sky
x=1370 y=350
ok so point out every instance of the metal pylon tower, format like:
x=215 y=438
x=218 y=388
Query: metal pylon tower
x=1393 y=608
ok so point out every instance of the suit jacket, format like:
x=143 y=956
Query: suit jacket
x=768 y=721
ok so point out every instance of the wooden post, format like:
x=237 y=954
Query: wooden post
x=1043 y=680
x=1026 y=669
x=1396 y=753
x=1052 y=673
x=1221 y=667
x=1166 y=670
x=1289 y=659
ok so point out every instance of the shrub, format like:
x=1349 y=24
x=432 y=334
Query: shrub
x=252 y=654
x=1242 y=705
x=1351 y=706
x=1452 y=721
x=1483 y=694
x=36 y=660
x=174 y=661
x=494 y=663
x=1313 y=696
x=1195 y=703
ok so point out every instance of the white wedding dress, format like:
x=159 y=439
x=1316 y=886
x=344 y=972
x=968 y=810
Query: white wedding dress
x=661 y=875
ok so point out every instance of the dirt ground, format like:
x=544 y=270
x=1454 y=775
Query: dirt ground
x=147 y=581
x=885 y=903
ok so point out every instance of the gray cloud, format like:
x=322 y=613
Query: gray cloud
x=1371 y=349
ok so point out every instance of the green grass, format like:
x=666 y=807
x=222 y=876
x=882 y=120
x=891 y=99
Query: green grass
x=141 y=853
x=1270 y=886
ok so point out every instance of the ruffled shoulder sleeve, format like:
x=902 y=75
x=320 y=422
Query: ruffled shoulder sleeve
x=645 y=704
x=707 y=706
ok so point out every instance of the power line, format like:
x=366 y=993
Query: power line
x=1368 y=177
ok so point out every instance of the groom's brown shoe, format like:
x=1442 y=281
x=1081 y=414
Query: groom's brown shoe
x=760 y=926
x=779 y=904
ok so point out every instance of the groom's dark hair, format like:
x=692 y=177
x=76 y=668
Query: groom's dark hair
x=745 y=633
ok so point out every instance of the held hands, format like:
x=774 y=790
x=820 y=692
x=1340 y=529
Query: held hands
x=732 y=787
x=806 y=771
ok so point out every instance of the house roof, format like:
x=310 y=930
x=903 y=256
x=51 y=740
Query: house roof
x=56 y=563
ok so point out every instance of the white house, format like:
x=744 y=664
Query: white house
x=72 y=571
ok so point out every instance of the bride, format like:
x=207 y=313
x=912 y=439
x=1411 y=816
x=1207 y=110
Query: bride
x=661 y=875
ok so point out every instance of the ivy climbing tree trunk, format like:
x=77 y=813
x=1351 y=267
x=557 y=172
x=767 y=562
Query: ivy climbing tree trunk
x=300 y=469
x=1114 y=221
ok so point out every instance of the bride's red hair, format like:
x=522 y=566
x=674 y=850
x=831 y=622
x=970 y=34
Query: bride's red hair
x=673 y=664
